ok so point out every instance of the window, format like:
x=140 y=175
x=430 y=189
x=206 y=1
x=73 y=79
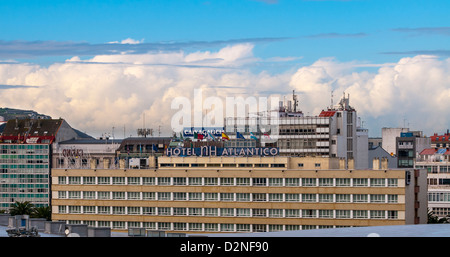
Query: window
x=342 y=198
x=149 y=210
x=195 y=196
x=89 y=180
x=360 y=198
x=243 y=181
x=62 y=194
x=195 y=212
x=259 y=197
x=275 y=213
x=275 y=181
x=211 y=181
x=104 y=210
x=134 y=195
x=240 y=212
x=377 y=182
x=243 y=197
x=118 y=195
x=195 y=181
x=259 y=212
x=309 y=197
x=134 y=210
x=377 y=214
x=227 y=181
x=74 y=195
x=325 y=198
x=292 y=182
x=242 y=227
x=74 y=180
x=164 y=211
x=164 y=181
x=211 y=197
x=118 y=180
x=377 y=198
x=360 y=214
x=392 y=198
x=179 y=196
x=259 y=181
x=179 y=181
x=309 y=182
x=103 y=180
x=164 y=196
x=308 y=213
x=227 y=212
x=62 y=180
x=103 y=195
x=74 y=209
x=227 y=227
x=392 y=214
x=292 y=213
x=343 y=182
x=134 y=181
x=195 y=226
x=211 y=212
x=343 y=214
x=326 y=182
x=148 y=195
x=360 y=182
x=179 y=211
x=211 y=227
x=89 y=209
x=89 y=195
x=292 y=197
x=181 y=226
x=392 y=182
x=227 y=197
x=148 y=181
x=275 y=197
x=325 y=213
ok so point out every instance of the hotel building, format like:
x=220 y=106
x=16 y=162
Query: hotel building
x=200 y=194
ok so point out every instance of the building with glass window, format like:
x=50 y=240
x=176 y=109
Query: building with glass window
x=239 y=194
x=26 y=159
x=436 y=161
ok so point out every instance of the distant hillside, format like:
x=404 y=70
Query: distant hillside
x=9 y=114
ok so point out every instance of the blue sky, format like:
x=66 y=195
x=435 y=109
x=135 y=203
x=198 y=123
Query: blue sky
x=374 y=49
x=365 y=30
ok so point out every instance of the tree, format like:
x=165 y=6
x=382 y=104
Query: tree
x=21 y=208
x=42 y=212
x=435 y=219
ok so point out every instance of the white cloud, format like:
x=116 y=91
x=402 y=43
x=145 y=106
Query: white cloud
x=116 y=90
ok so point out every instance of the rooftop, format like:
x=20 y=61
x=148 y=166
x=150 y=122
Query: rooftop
x=425 y=230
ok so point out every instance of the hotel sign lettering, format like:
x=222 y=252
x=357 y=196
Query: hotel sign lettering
x=219 y=151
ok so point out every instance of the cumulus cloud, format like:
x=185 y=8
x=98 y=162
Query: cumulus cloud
x=117 y=90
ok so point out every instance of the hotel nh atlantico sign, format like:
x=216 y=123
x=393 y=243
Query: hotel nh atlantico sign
x=222 y=151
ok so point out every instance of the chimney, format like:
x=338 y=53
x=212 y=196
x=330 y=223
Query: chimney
x=384 y=163
x=351 y=164
x=376 y=163
x=342 y=163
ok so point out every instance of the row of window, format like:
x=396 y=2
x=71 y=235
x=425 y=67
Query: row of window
x=438 y=197
x=434 y=168
x=206 y=227
x=239 y=197
x=230 y=212
x=224 y=165
x=214 y=181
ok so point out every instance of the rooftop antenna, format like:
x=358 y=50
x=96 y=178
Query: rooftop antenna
x=294 y=98
x=331 y=106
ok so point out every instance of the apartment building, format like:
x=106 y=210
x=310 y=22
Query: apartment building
x=239 y=194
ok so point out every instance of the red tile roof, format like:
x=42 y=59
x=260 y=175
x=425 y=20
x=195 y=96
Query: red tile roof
x=428 y=151
x=327 y=113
